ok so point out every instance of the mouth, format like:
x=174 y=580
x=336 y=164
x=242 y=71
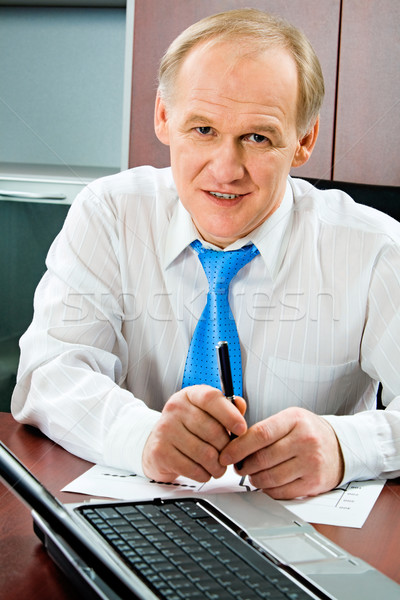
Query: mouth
x=220 y=196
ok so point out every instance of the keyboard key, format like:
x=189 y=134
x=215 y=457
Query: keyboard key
x=186 y=554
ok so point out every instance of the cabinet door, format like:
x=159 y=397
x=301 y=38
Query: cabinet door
x=158 y=22
x=367 y=145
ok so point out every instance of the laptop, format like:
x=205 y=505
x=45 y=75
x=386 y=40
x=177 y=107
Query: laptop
x=239 y=546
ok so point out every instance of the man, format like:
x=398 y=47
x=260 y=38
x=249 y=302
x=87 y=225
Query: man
x=316 y=309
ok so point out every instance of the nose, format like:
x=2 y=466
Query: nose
x=227 y=163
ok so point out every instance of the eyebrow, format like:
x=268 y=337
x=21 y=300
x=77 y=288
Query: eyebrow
x=257 y=127
x=195 y=119
x=266 y=129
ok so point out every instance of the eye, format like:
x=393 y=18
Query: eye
x=257 y=138
x=203 y=130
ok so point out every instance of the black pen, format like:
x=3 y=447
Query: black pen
x=225 y=375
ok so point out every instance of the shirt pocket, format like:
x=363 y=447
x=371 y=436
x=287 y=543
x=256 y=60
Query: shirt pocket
x=322 y=389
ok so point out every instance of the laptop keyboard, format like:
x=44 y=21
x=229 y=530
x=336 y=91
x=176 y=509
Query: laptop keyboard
x=182 y=552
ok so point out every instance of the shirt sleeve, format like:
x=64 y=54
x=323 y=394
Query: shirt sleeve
x=370 y=440
x=74 y=358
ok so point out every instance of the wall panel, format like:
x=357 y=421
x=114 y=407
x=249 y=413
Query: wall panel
x=367 y=145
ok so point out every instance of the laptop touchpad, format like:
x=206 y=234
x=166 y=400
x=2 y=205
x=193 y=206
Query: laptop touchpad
x=297 y=548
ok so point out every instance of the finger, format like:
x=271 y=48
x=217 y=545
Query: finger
x=200 y=453
x=240 y=404
x=183 y=466
x=307 y=461
x=271 y=456
x=199 y=437
x=276 y=477
x=187 y=467
x=214 y=403
x=311 y=448
x=166 y=457
x=261 y=435
x=290 y=486
x=295 y=489
x=208 y=429
x=181 y=409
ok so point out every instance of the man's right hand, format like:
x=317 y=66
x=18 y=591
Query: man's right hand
x=191 y=433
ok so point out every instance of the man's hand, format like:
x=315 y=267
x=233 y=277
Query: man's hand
x=293 y=453
x=192 y=431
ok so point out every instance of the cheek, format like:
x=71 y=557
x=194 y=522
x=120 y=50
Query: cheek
x=269 y=175
x=186 y=166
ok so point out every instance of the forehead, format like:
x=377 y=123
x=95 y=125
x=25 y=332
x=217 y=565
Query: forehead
x=231 y=76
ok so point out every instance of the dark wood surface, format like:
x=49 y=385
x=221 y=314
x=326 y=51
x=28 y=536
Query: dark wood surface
x=27 y=572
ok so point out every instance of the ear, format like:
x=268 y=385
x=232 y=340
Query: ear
x=306 y=146
x=161 y=120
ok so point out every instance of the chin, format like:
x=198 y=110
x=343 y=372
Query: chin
x=219 y=240
x=218 y=232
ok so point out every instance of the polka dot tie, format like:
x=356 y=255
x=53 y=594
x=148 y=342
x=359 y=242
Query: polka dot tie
x=216 y=322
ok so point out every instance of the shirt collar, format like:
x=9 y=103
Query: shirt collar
x=181 y=233
x=271 y=238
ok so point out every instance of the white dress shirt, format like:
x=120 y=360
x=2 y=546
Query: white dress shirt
x=317 y=313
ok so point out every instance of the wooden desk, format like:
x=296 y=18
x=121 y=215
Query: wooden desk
x=27 y=572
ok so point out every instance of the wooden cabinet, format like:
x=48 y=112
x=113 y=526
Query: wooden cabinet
x=358 y=44
x=367 y=145
x=158 y=22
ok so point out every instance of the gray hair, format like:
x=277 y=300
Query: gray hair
x=266 y=31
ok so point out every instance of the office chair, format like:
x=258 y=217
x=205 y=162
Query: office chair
x=26 y=232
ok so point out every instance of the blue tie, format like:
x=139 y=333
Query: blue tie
x=216 y=322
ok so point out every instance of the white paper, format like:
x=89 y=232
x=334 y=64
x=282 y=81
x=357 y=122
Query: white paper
x=346 y=506
x=114 y=483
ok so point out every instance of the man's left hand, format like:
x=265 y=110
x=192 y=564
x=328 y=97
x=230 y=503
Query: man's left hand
x=290 y=454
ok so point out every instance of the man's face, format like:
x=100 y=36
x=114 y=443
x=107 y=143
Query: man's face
x=231 y=128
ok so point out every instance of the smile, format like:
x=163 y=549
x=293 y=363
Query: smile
x=225 y=196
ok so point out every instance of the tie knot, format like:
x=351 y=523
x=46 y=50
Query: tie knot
x=221 y=267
